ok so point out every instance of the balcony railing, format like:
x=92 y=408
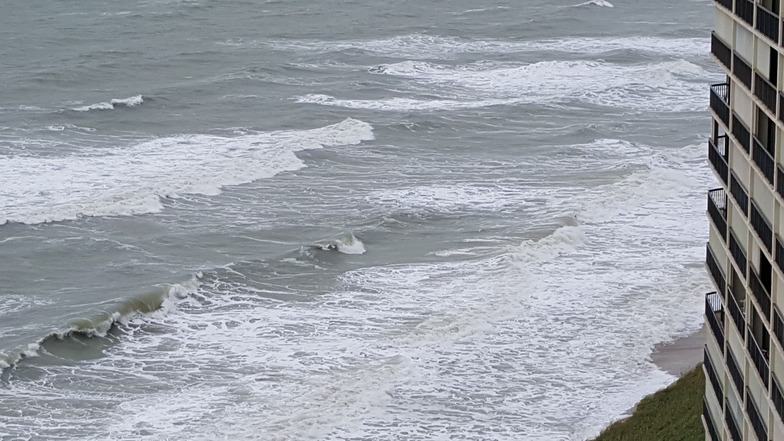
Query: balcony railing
x=737 y=254
x=710 y=426
x=726 y=3
x=719 y=102
x=760 y=293
x=762 y=227
x=779 y=256
x=779 y=181
x=722 y=52
x=763 y=160
x=778 y=327
x=732 y=425
x=781 y=106
x=735 y=374
x=742 y=70
x=760 y=359
x=745 y=10
x=714 y=312
x=739 y=194
x=741 y=133
x=735 y=312
x=768 y=23
x=715 y=270
x=718 y=155
x=756 y=420
x=778 y=398
x=717 y=209
x=714 y=379
x=766 y=92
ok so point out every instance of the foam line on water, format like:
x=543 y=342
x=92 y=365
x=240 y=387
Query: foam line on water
x=421 y=46
x=669 y=86
x=131 y=180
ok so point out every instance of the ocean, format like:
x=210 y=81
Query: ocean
x=342 y=220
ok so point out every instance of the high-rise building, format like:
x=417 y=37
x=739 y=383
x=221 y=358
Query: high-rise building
x=744 y=348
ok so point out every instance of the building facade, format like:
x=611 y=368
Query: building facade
x=744 y=348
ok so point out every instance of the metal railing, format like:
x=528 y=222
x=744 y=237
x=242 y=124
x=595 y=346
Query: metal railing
x=781 y=106
x=765 y=92
x=735 y=373
x=714 y=312
x=717 y=209
x=731 y=424
x=779 y=181
x=762 y=227
x=714 y=379
x=768 y=23
x=719 y=102
x=778 y=327
x=760 y=293
x=735 y=312
x=742 y=70
x=722 y=52
x=739 y=194
x=779 y=257
x=764 y=160
x=726 y=3
x=710 y=425
x=737 y=254
x=715 y=270
x=756 y=420
x=778 y=398
x=745 y=10
x=759 y=359
x=718 y=159
x=741 y=133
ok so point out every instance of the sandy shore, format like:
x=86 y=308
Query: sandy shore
x=679 y=356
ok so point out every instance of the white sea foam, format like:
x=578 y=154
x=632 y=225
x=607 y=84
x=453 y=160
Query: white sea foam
x=522 y=342
x=346 y=244
x=132 y=101
x=603 y=3
x=671 y=86
x=130 y=180
x=421 y=46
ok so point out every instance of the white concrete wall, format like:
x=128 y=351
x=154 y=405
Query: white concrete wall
x=763 y=59
x=723 y=27
x=741 y=105
x=744 y=44
x=763 y=198
x=719 y=253
x=758 y=393
x=740 y=166
x=740 y=228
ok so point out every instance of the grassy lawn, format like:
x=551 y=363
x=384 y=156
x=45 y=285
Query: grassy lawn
x=672 y=414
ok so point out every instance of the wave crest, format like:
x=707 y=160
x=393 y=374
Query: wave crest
x=131 y=101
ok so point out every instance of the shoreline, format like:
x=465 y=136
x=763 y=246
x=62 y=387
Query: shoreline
x=680 y=356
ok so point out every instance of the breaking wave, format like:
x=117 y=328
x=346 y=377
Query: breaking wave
x=132 y=101
x=132 y=180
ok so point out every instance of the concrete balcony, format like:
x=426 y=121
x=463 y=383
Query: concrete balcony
x=718 y=156
x=762 y=227
x=768 y=23
x=719 y=102
x=717 y=210
x=721 y=51
x=764 y=160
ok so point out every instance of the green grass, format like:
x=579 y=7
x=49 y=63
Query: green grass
x=672 y=414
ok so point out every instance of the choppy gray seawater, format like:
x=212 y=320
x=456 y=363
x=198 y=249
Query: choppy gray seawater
x=346 y=220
